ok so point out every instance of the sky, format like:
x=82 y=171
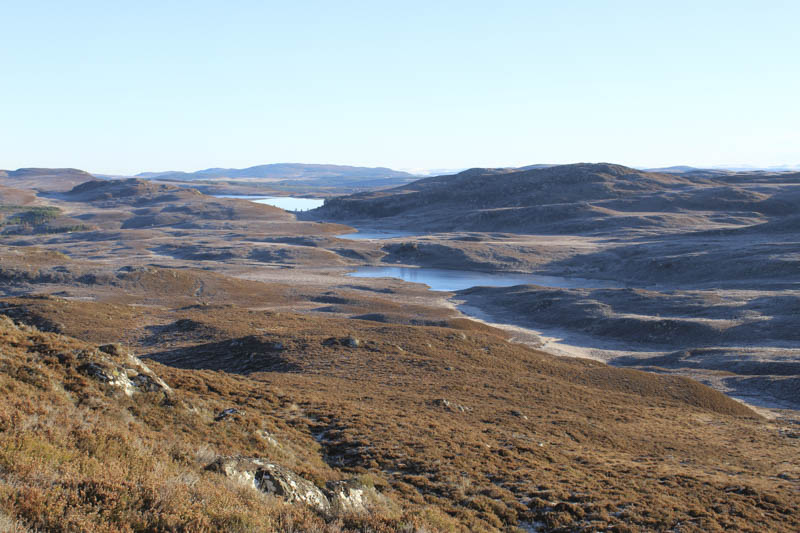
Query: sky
x=126 y=87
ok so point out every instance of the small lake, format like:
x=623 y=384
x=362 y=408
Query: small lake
x=368 y=234
x=441 y=279
x=288 y=203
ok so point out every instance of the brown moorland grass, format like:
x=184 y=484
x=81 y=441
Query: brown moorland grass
x=458 y=428
x=78 y=455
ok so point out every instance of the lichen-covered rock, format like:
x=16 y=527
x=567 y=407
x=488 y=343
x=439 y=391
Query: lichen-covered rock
x=351 y=496
x=93 y=370
x=146 y=383
x=113 y=365
x=273 y=479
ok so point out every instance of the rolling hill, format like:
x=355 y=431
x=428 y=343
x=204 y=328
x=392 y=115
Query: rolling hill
x=579 y=199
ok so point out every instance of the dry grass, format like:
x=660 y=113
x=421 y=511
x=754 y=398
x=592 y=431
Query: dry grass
x=523 y=436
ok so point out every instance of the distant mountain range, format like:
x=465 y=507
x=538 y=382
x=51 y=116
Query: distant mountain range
x=283 y=171
x=680 y=169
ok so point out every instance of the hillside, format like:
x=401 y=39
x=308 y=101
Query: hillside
x=581 y=198
x=433 y=428
x=266 y=375
x=44 y=179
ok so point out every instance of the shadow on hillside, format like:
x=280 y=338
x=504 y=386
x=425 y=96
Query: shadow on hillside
x=239 y=356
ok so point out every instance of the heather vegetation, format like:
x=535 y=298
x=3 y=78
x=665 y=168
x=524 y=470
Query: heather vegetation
x=202 y=364
x=455 y=428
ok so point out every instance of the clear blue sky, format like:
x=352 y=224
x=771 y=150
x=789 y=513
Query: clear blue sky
x=123 y=87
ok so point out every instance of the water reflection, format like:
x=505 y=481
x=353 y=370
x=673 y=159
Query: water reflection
x=440 y=279
x=288 y=203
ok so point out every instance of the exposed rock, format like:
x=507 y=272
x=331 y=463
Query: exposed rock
x=351 y=342
x=330 y=341
x=129 y=373
x=450 y=406
x=272 y=479
x=93 y=370
x=518 y=413
x=351 y=496
x=146 y=383
x=226 y=413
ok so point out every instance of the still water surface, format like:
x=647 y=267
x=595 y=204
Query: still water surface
x=441 y=279
x=289 y=203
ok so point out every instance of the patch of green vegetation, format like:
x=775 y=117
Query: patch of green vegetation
x=21 y=220
x=46 y=229
x=33 y=216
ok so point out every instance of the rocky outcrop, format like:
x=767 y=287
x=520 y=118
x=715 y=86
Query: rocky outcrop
x=117 y=367
x=271 y=478
x=349 y=341
x=340 y=497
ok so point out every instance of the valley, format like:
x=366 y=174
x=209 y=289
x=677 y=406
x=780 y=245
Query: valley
x=453 y=404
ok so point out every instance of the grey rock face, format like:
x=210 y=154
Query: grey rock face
x=273 y=479
x=349 y=496
x=113 y=365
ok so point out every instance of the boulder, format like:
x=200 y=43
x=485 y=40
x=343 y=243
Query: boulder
x=351 y=496
x=112 y=365
x=272 y=479
x=351 y=342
